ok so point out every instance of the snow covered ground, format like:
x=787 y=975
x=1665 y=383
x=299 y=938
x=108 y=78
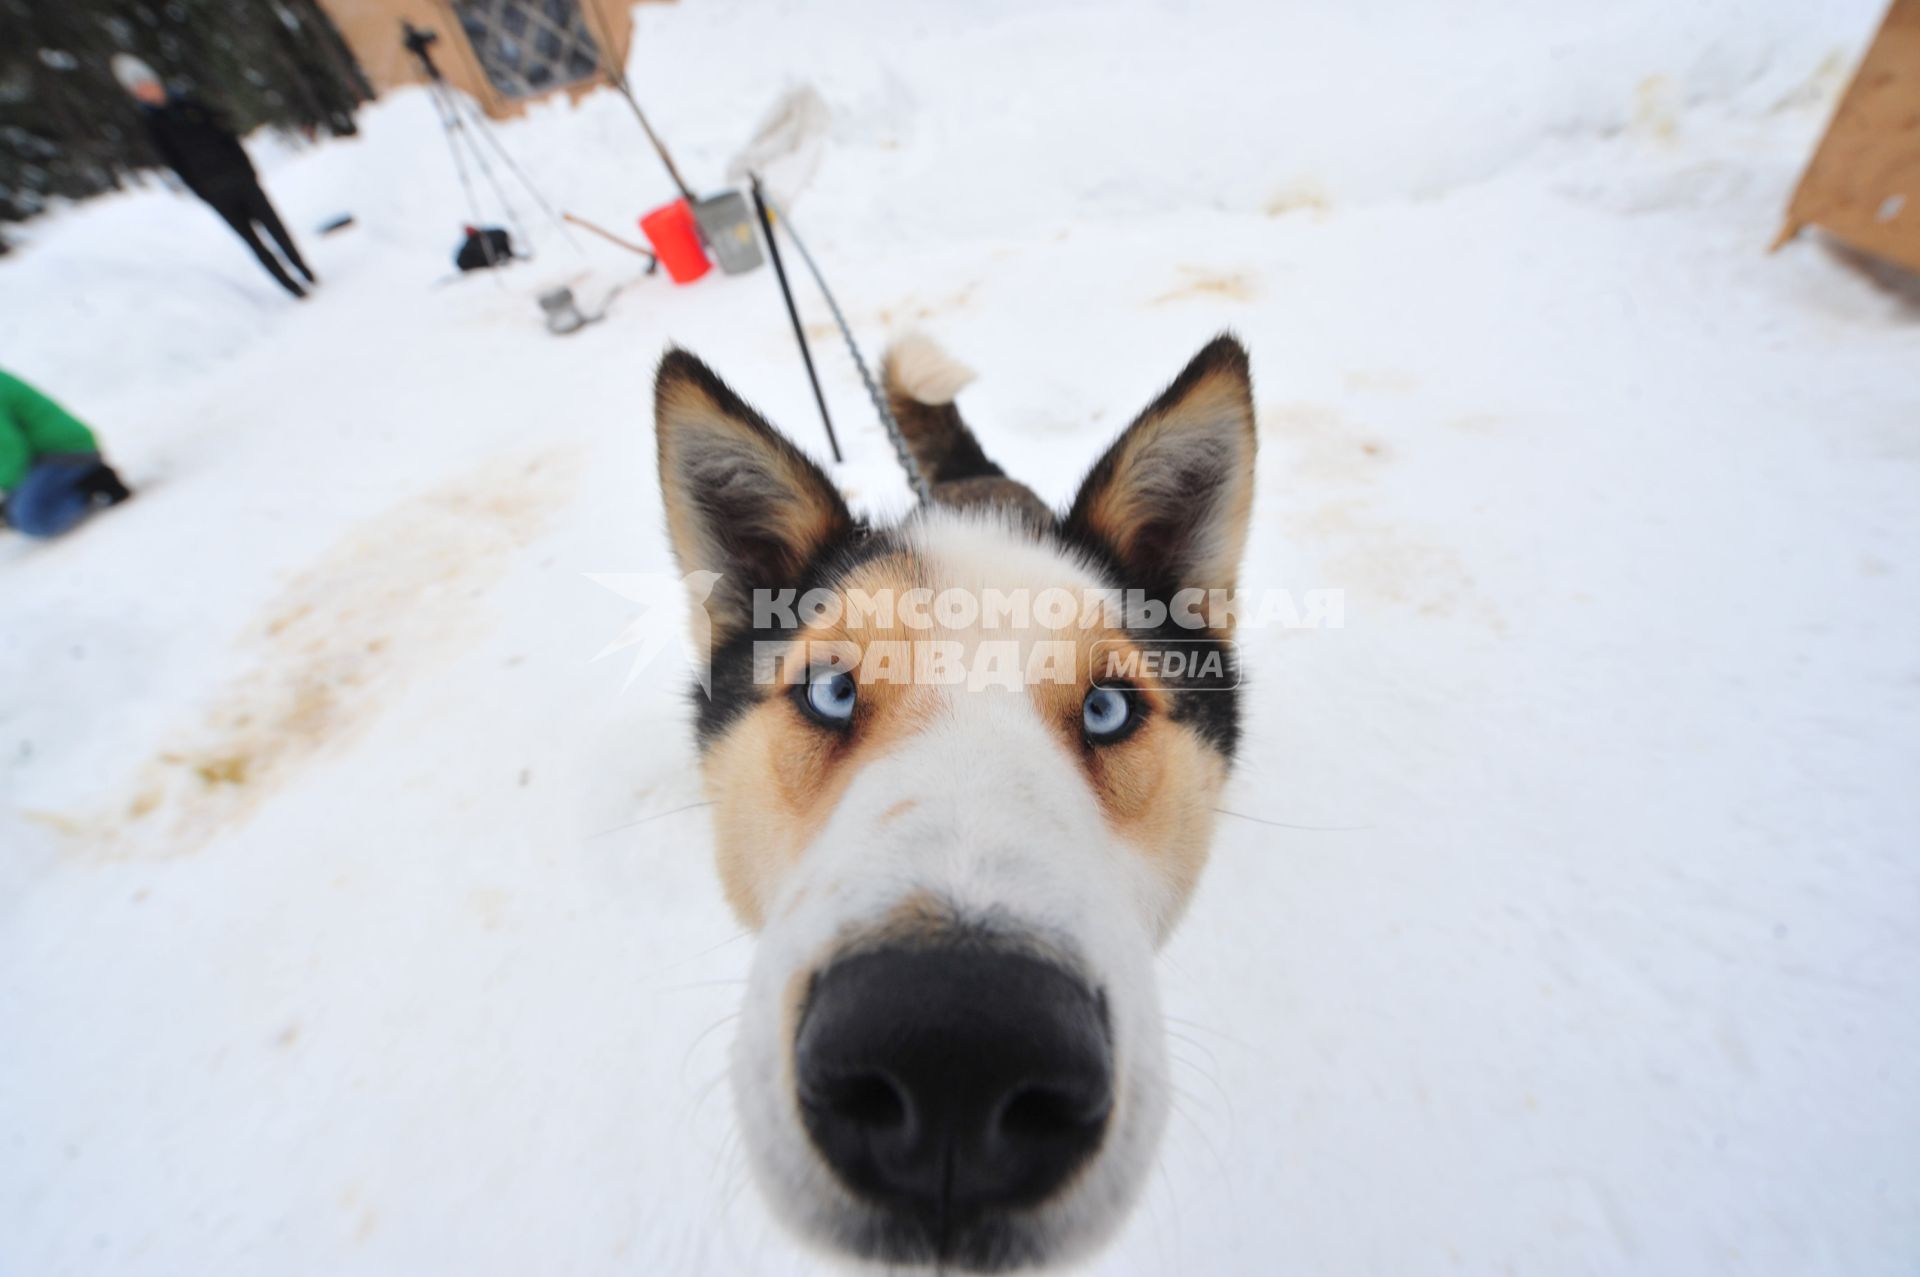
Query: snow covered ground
x=351 y=919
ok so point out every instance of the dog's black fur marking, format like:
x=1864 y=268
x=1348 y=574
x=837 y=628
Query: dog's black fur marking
x=1222 y=353
x=733 y=514
x=1157 y=547
x=732 y=670
x=945 y=449
x=1212 y=711
x=950 y=453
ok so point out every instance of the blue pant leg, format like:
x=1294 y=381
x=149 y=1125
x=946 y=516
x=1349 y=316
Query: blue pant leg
x=51 y=499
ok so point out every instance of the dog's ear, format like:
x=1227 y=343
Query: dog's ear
x=1170 y=500
x=740 y=500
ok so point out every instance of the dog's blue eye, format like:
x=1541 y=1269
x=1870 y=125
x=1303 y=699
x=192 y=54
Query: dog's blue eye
x=1105 y=713
x=831 y=694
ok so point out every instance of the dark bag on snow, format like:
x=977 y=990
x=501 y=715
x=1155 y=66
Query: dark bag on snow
x=484 y=247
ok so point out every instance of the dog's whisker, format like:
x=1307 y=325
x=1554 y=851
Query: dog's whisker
x=736 y=1181
x=711 y=949
x=702 y=984
x=723 y=1183
x=1206 y=1142
x=704 y=1034
x=1213 y=1060
x=705 y=1093
x=726 y=1166
x=1159 y=1233
x=646 y=820
x=1222 y=1034
x=1180 y=1059
x=1173 y=1200
x=1211 y=1074
x=884 y=1047
x=1281 y=824
x=1183 y=1093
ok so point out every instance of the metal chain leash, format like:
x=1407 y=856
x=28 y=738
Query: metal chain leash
x=917 y=480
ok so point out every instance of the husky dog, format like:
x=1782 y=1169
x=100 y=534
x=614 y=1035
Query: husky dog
x=951 y=1052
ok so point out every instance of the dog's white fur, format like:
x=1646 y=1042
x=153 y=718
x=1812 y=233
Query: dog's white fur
x=971 y=807
x=1005 y=831
x=921 y=368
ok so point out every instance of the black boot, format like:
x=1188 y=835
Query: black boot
x=104 y=486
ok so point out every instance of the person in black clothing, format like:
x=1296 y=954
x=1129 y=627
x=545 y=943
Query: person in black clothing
x=213 y=164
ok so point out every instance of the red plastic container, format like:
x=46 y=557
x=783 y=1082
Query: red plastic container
x=676 y=240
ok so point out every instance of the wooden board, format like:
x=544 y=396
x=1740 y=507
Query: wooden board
x=1863 y=184
x=371 y=29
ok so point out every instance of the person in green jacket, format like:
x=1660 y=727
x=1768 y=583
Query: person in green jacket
x=51 y=471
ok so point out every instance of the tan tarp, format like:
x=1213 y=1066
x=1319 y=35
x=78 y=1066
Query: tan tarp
x=1863 y=185
x=371 y=29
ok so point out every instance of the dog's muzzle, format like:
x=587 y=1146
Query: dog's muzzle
x=950 y=1087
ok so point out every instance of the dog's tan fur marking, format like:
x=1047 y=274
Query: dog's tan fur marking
x=1204 y=423
x=803 y=525
x=1157 y=786
x=775 y=777
x=960 y=802
x=917 y=919
x=770 y=496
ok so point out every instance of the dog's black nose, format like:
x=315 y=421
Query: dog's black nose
x=948 y=1082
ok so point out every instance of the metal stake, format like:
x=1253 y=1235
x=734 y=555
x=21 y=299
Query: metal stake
x=793 y=313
